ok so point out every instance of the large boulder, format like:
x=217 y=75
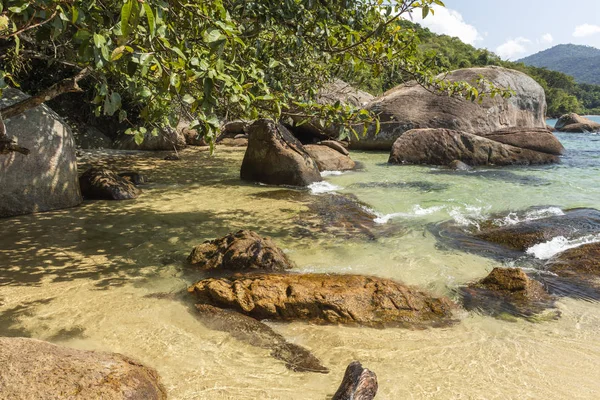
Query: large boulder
x=274 y=156
x=322 y=298
x=167 y=139
x=574 y=123
x=443 y=146
x=537 y=139
x=104 y=184
x=411 y=106
x=33 y=369
x=241 y=251
x=328 y=159
x=46 y=179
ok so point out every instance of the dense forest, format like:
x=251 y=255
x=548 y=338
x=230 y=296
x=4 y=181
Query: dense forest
x=581 y=62
x=563 y=93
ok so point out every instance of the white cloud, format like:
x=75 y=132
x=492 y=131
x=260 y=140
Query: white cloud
x=586 y=30
x=449 y=22
x=512 y=48
x=547 y=38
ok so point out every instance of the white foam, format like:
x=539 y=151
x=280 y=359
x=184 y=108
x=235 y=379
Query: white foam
x=322 y=187
x=417 y=212
x=468 y=216
x=331 y=173
x=546 y=250
x=513 y=218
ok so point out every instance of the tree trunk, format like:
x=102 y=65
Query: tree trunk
x=358 y=384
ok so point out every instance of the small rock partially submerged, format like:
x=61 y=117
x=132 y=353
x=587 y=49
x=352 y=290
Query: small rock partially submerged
x=576 y=271
x=241 y=251
x=574 y=123
x=33 y=369
x=134 y=177
x=104 y=184
x=507 y=291
x=256 y=333
x=322 y=298
x=358 y=384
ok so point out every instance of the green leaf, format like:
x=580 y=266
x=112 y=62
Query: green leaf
x=213 y=35
x=188 y=99
x=99 y=40
x=151 y=19
x=125 y=15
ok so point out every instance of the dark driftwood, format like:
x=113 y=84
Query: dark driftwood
x=358 y=384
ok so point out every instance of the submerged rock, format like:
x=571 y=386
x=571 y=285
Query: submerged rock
x=104 y=184
x=328 y=159
x=276 y=157
x=256 y=333
x=134 y=177
x=241 y=251
x=537 y=139
x=321 y=298
x=33 y=369
x=507 y=291
x=358 y=384
x=458 y=165
x=443 y=146
x=574 y=123
x=576 y=272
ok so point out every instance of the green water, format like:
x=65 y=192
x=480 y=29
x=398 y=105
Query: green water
x=78 y=277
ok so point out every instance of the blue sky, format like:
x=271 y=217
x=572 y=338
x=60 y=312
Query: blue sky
x=517 y=28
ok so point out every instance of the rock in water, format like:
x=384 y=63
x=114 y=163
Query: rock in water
x=255 y=333
x=358 y=384
x=457 y=165
x=443 y=146
x=322 y=298
x=33 y=369
x=537 y=139
x=507 y=291
x=411 y=106
x=576 y=272
x=104 y=184
x=328 y=159
x=241 y=251
x=167 y=139
x=574 y=123
x=337 y=146
x=46 y=179
x=276 y=157
x=134 y=177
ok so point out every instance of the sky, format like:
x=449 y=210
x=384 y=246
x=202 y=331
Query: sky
x=514 y=29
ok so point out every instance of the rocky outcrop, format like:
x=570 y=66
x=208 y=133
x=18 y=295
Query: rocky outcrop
x=507 y=291
x=104 y=184
x=276 y=157
x=574 y=123
x=255 y=333
x=411 y=106
x=166 y=140
x=328 y=159
x=358 y=384
x=321 y=298
x=241 y=251
x=443 y=146
x=46 y=179
x=537 y=139
x=33 y=369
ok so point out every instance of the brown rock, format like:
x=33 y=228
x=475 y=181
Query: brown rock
x=358 y=384
x=443 y=146
x=134 y=177
x=328 y=159
x=459 y=166
x=233 y=128
x=321 y=298
x=576 y=272
x=167 y=139
x=338 y=146
x=241 y=251
x=191 y=136
x=276 y=157
x=537 y=139
x=104 y=184
x=33 y=369
x=574 y=123
x=234 y=142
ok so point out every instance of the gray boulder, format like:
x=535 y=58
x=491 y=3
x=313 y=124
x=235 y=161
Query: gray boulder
x=33 y=369
x=46 y=179
x=411 y=106
x=538 y=139
x=444 y=146
x=274 y=156
x=574 y=123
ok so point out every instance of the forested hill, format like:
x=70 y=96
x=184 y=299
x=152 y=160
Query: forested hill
x=563 y=93
x=581 y=62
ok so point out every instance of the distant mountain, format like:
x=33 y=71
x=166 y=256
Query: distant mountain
x=581 y=62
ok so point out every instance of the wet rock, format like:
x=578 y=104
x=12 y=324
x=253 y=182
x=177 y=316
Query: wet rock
x=256 y=333
x=443 y=146
x=507 y=291
x=328 y=159
x=275 y=157
x=550 y=128
x=537 y=139
x=358 y=384
x=104 y=184
x=576 y=272
x=458 y=165
x=46 y=178
x=241 y=251
x=336 y=145
x=410 y=106
x=134 y=177
x=574 y=123
x=33 y=369
x=322 y=298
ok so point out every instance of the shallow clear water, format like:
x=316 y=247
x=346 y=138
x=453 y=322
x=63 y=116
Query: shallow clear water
x=79 y=277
